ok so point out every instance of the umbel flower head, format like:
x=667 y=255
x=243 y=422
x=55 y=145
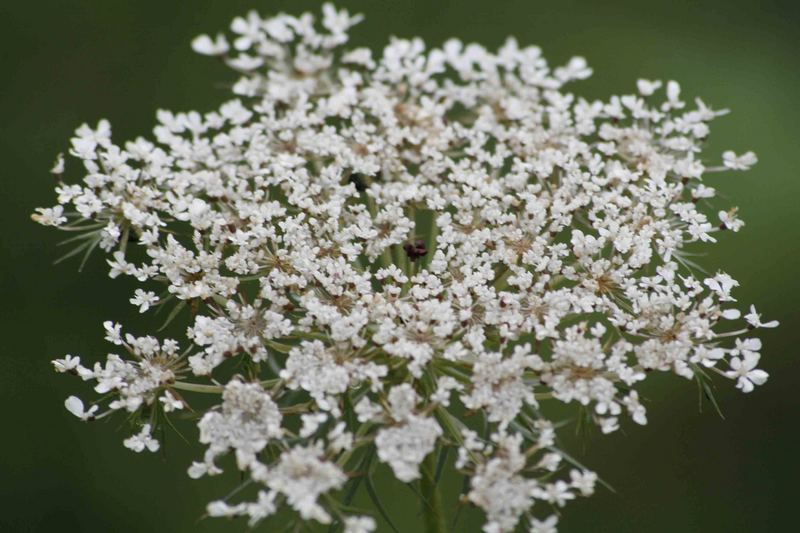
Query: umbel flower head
x=380 y=258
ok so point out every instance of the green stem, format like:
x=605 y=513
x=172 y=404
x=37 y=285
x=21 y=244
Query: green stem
x=212 y=389
x=432 y=508
x=197 y=387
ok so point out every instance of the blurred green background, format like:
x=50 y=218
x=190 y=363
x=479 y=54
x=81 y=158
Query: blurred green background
x=69 y=61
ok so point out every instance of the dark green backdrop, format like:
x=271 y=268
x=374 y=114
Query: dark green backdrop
x=65 y=62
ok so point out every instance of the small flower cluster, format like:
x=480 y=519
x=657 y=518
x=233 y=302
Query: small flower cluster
x=386 y=257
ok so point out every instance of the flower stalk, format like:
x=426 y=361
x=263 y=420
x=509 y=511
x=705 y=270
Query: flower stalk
x=432 y=508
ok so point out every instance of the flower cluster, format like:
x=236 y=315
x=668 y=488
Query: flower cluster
x=379 y=258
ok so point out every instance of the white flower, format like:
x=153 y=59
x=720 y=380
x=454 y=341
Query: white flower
x=739 y=162
x=557 y=493
x=404 y=447
x=498 y=488
x=647 y=87
x=113 y=332
x=142 y=441
x=730 y=220
x=359 y=56
x=245 y=62
x=547 y=525
x=584 y=481
x=708 y=357
x=498 y=385
x=636 y=409
x=75 y=406
x=745 y=373
x=247 y=421
x=223 y=509
x=311 y=423
x=378 y=252
x=144 y=299
x=673 y=96
x=359 y=524
x=314 y=368
x=263 y=507
x=203 y=44
x=301 y=475
x=49 y=216
x=576 y=69
x=170 y=403
x=67 y=364
x=58 y=166
x=754 y=319
x=722 y=285
x=338 y=21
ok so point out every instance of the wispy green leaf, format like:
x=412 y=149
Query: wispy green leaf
x=373 y=495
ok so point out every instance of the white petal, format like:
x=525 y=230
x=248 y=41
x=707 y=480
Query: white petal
x=745 y=384
x=74 y=405
x=202 y=44
x=759 y=377
x=731 y=314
